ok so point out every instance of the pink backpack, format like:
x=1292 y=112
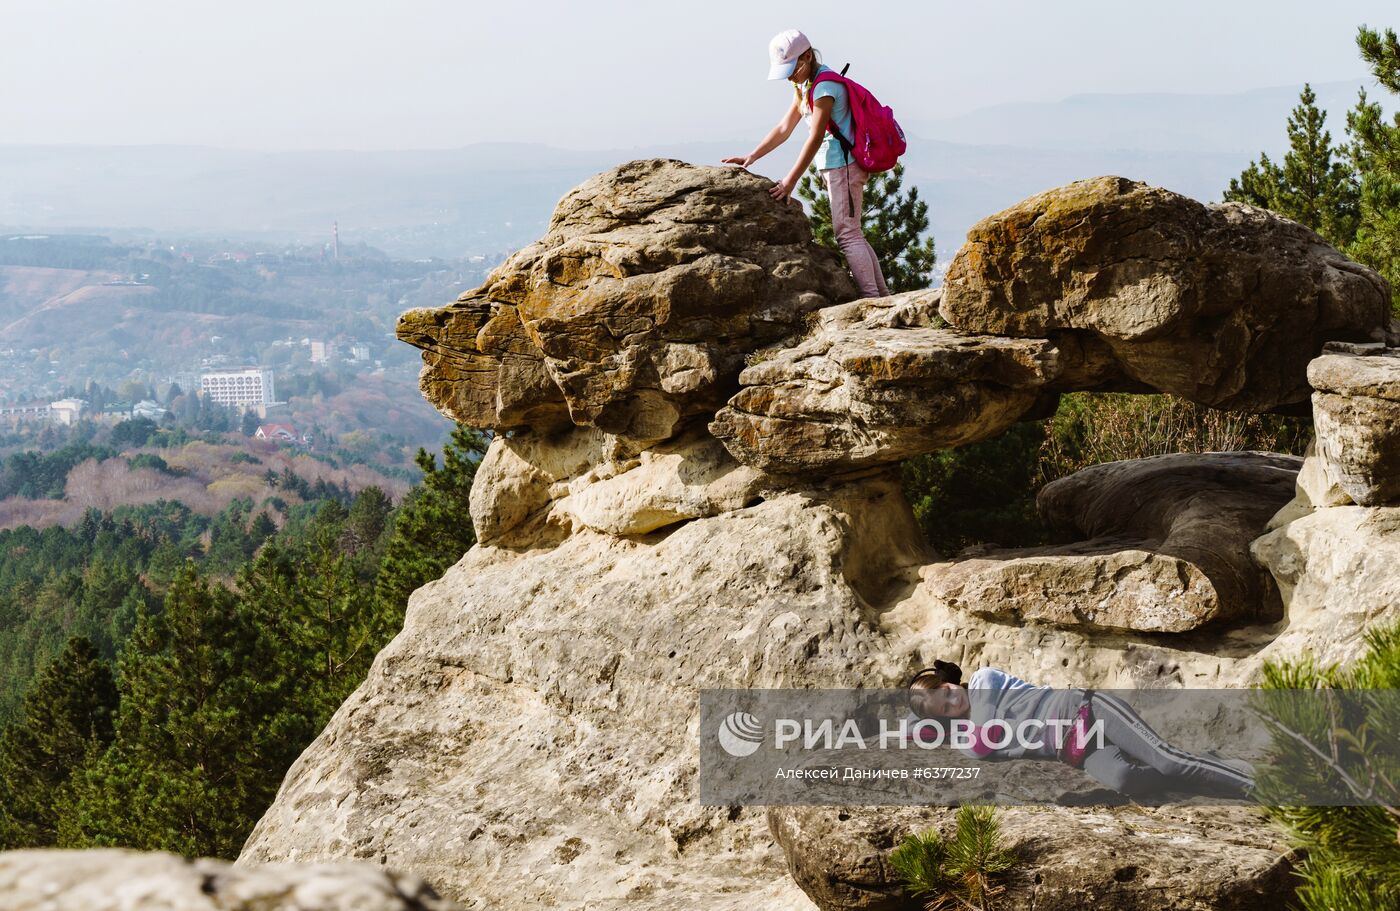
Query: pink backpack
x=878 y=140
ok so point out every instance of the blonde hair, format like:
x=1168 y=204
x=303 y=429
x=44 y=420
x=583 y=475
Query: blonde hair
x=801 y=90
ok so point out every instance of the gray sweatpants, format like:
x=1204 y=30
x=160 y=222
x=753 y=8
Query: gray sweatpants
x=1136 y=761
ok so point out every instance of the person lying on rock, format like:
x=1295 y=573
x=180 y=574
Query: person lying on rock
x=1132 y=759
x=793 y=58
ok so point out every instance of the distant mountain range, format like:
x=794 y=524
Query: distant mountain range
x=1243 y=123
x=490 y=198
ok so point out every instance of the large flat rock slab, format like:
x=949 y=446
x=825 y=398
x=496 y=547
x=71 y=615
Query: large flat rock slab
x=1221 y=304
x=868 y=391
x=1159 y=545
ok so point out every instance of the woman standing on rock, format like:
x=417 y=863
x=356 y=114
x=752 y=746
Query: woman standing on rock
x=793 y=58
x=1132 y=759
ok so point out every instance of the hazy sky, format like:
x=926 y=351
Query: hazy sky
x=356 y=74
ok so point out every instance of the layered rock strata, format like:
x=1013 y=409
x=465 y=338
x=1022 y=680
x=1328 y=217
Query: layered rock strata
x=867 y=393
x=481 y=368
x=1356 y=412
x=638 y=305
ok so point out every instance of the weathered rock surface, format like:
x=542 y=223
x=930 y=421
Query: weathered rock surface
x=120 y=880
x=869 y=391
x=1336 y=569
x=1104 y=584
x=686 y=478
x=481 y=368
x=1222 y=304
x=529 y=739
x=1161 y=545
x=1128 y=858
x=1318 y=484
x=534 y=488
x=1356 y=412
x=640 y=302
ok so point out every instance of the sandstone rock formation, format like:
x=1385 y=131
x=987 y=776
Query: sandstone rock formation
x=1336 y=569
x=638 y=305
x=529 y=738
x=534 y=485
x=120 y=880
x=1160 y=545
x=861 y=393
x=481 y=368
x=1356 y=410
x=1130 y=859
x=1222 y=304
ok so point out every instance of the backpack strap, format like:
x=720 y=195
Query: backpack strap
x=847 y=145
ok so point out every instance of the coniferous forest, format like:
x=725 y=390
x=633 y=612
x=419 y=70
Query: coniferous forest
x=159 y=674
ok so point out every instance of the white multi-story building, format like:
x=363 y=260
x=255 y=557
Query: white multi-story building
x=34 y=411
x=247 y=387
x=66 y=411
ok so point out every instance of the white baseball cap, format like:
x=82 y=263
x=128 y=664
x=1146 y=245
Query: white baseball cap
x=784 y=50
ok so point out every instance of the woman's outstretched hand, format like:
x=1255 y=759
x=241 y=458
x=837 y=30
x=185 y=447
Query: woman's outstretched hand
x=742 y=161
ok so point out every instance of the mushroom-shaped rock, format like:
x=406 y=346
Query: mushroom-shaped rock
x=1220 y=304
x=864 y=390
x=1162 y=546
x=1356 y=412
x=652 y=283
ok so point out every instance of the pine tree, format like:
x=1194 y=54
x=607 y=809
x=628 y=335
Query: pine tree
x=333 y=618
x=895 y=223
x=320 y=625
x=1353 y=856
x=1382 y=52
x=197 y=753
x=1376 y=150
x=1310 y=187
x=66 y=720
x=433 y=527
x=368 y=514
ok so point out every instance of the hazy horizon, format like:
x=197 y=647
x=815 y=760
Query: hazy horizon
x=434 y=75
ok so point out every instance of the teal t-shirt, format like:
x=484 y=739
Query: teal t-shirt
x=831 y=154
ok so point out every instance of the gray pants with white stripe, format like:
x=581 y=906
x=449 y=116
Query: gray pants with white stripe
x=1136 y=761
